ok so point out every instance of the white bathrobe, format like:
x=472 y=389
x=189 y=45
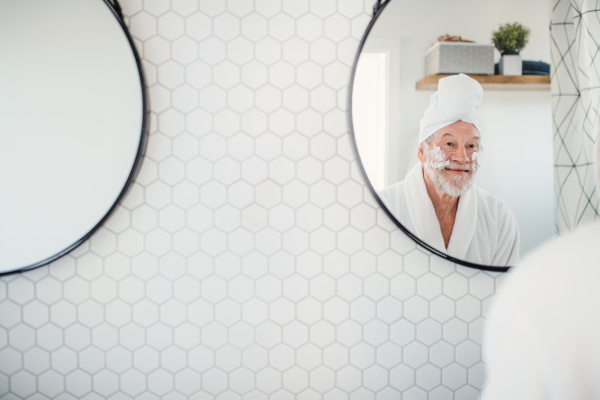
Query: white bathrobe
x=542 y=337
x=485 y=231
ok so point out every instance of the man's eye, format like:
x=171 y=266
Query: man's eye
x=448 y=143
x=472 y=146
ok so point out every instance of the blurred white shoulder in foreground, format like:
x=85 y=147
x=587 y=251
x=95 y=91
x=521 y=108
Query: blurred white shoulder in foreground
x=542 y=339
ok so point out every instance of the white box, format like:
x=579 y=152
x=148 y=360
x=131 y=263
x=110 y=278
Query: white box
x=460 y=57
x=511 y=65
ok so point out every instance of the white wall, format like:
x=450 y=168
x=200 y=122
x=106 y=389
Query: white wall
x=517 y=163
x=248 y=260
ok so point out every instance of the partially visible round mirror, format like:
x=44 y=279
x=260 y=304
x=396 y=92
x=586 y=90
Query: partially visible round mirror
x=424 y=134
x=73 y=124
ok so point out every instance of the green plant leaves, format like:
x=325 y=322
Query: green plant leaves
x=511 y=37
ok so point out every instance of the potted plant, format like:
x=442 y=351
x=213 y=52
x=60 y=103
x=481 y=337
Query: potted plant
x=510 y=39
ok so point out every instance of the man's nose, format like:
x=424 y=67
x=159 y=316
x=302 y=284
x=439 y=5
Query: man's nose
x=460 y=156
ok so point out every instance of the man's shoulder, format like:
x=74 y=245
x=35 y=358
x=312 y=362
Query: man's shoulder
x=392 y=188
x=392 y=195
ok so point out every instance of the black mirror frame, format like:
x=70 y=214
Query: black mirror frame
x=115 y=8
x=377 y=10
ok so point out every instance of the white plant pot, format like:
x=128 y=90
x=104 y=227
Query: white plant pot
x=511 y=65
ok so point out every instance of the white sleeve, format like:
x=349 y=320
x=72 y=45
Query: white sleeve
x=512 y=354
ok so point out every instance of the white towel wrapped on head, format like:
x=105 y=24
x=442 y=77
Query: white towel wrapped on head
x=458 y=98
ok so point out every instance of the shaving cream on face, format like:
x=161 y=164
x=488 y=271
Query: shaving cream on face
x=476 y=163
x=437 y=158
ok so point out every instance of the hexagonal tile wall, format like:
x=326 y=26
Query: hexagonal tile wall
x=248 y=260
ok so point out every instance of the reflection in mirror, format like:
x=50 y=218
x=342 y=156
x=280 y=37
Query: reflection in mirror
x=72 y=125
x=465 y=167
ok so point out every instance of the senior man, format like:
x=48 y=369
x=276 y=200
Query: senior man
x=437 y=200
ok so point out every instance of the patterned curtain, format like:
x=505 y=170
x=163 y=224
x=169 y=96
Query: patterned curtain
x=575 y=41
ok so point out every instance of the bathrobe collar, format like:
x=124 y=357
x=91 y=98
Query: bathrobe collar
x=426 y=224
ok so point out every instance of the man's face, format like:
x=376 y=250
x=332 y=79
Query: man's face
x=452 y=157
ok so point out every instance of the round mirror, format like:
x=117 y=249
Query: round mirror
x=73 y=125
x=462 y=163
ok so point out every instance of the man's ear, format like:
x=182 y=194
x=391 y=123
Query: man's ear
x=420 y=154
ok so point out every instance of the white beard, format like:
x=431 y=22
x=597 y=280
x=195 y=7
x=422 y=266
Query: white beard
x=435 y=164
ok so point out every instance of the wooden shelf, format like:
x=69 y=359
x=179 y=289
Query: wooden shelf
x=495 y=82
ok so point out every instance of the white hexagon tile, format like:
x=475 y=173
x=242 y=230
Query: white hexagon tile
x=248 y=260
